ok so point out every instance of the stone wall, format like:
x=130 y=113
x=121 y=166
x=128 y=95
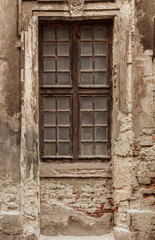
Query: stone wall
x=78 y=198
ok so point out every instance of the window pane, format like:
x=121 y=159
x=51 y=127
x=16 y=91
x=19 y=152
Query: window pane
x=101 y=133
x=100 y=48
x=101 y=149
x=49 y=104
x=49 y=149
x=63 y=64
x=63 y=118
x=87 y=118
x=63 y=33
x=101 y=118
x=100 y=103
x=63 y=49
x=100 y=78
x=49 y=78
x=86 y=78
x=63 y=103
x=86 y=33
x=87 y=134
x=49 y=34
x=87 y=149
x=86 y=64
x=100 y=33
x=63 y=149
x=63 y=134
x=49 y=133
x=49 y=119
x=49 y=64
x=49 y=49
x=86 y=48
x=63 y=79
x=100 y=63
x=87 y=103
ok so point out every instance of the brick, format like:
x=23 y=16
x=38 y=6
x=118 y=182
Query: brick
x=153 y=138
x=135 y=153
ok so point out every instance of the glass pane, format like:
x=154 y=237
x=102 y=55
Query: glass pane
x=101 y=149
x=100 y=78
x=63 y=49
x=101 y=133
x=63 y=33
x=63 y=148
x=49 y=64
x=87 y=118
x=49 y=104
x=87 y=149
x=49 y=119
x=86 y=33
x=87 y=103
x=63 y=64
x=63 y=103
x=49 y=149
x=49 y=49
x=100 y=48
x=49 y=34
x=63 y=118
x=63 y=79
x=100 y=103
x=100 y=63
x=100 y=33
x=87 y=134
x=86 y=63
x=49 y=78
x=86 y=78
x=49 y=133
x=86 y=48
x=63 y=134
x=101 y=118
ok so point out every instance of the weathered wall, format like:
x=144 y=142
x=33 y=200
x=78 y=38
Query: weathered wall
x=78 y=197
x=10 y=219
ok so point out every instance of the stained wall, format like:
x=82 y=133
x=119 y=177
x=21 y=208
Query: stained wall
x=71 y=198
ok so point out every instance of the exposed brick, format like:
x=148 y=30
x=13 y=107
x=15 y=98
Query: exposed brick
x=153 y=138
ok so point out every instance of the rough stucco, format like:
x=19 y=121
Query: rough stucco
x=67 y=197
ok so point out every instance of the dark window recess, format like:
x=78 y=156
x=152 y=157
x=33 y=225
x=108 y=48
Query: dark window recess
x=154 y=40
x=75 y=89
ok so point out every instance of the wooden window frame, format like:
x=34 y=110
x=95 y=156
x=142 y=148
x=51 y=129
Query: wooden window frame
x=154 y=38
x=75 y=90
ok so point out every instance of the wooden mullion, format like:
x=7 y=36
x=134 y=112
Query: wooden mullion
x=98 y=91
x=56 y=126
x=56 y=55
x=75 y=77
x=94 y=125
x=93 y=54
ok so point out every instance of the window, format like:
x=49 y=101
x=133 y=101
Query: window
x=75 y=90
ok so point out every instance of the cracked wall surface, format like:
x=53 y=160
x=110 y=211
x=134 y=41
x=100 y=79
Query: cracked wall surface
x=78 y=198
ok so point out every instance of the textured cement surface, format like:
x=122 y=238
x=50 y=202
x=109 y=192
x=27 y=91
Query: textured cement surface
x=103 y=237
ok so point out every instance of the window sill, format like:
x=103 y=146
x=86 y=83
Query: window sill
x=75 y=169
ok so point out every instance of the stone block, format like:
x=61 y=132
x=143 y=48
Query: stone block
x=122 y=172
x=146 y=141
x=121 y=234
x=10 y=223
x=142 y=221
